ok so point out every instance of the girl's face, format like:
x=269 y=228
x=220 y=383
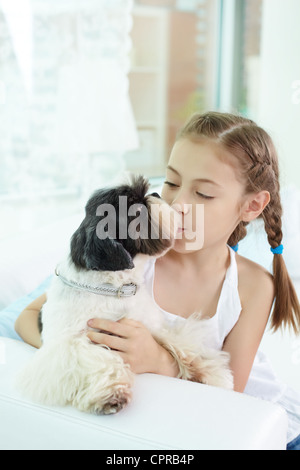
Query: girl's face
x=203 y=188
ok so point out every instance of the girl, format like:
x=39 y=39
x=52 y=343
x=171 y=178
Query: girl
x=228 y=164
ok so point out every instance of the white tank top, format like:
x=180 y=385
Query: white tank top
x=262 y=382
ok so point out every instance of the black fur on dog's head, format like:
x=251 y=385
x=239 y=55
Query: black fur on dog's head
x=115 y=252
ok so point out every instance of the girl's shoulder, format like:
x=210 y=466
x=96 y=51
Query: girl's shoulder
x=253 y=279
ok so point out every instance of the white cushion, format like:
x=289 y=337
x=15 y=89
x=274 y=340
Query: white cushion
x=164 y=414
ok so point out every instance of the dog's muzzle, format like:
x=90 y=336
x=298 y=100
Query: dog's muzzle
x=126 y=290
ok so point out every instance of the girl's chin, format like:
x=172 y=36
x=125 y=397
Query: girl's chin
x=185 y=246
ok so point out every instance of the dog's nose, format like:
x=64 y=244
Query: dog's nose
x=155 y=195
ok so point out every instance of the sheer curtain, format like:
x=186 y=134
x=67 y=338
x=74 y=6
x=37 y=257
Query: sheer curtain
x=65 y=116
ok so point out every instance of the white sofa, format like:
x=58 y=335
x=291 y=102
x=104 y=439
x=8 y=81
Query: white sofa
x=164 y=414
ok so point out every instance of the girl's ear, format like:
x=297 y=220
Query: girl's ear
x=254 y=205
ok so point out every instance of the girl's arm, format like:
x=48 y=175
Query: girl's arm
x=26 y=324
x=243 y=341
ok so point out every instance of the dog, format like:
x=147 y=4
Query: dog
x=102 y=277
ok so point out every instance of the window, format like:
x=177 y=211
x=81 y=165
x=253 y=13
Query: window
x=251 y=66
x=65 y=116
x=94 y=87
x=173 y=73
x=239 y=56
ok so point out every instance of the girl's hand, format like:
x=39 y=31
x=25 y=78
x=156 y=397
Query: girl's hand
x=135 y=344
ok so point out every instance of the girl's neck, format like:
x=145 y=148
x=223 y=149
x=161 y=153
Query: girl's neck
x=203 y=262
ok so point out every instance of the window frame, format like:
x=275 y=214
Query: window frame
x=230 y=55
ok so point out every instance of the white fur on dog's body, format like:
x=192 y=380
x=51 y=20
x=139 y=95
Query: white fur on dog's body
x=69 y=369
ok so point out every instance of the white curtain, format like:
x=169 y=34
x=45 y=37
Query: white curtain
x=65 y=115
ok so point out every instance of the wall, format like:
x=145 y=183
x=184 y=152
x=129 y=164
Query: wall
x=279 y=103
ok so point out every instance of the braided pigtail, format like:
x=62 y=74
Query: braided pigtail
x=286 y=310
x=238 y=235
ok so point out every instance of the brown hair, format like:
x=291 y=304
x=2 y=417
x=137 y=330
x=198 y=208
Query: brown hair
x=259 y=168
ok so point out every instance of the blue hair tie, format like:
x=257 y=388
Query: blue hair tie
x=235 y=248
x=278 y=250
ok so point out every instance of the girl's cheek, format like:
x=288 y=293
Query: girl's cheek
x=164 y=195
x=167 y=197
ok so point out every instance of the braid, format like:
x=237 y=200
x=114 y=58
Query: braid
x=272 y=216
x=254 y=176
x=286 y=309
x=239 y=234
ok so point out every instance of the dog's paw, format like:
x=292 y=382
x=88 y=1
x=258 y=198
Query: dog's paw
x=119 y=398
x=115 y=405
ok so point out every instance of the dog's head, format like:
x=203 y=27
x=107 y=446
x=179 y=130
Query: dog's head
x=120 y=223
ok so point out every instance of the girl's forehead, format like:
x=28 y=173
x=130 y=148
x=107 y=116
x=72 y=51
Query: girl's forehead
x=203 y=159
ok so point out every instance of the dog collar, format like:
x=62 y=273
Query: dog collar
x=126 y=290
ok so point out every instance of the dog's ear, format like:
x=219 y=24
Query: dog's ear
x=106 y=255
x=90 y=252
x=78 y=242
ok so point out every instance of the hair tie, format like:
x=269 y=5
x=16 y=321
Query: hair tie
x=278 y=250
x=235 y=248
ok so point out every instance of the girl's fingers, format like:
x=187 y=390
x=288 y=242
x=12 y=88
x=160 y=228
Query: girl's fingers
x=115 y=343
x=130 y=322
x=114 y=328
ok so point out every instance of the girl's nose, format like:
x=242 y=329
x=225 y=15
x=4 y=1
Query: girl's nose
x=181 y=207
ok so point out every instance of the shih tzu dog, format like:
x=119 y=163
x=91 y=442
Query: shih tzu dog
x=103 y=277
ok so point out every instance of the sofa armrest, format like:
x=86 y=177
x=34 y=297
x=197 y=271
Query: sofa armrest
x=165 y=413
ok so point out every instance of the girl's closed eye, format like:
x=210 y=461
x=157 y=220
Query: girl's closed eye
x=204 y=196
x=171 y=185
